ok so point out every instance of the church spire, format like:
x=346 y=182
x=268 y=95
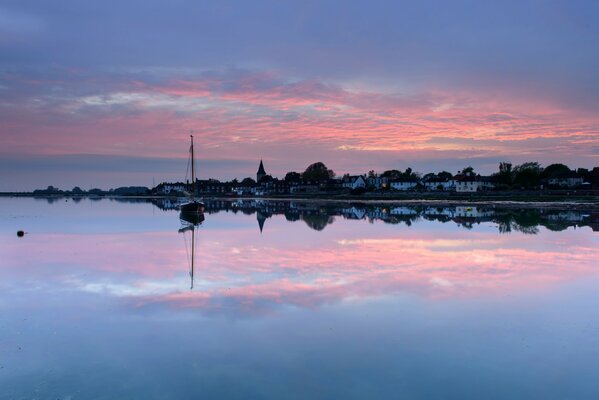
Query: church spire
x=261 y=172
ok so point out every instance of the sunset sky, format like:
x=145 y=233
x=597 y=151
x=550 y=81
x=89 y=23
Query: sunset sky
x=104 y=94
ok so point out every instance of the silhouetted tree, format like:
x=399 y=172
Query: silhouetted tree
x=318 y=172
x=527 y=175
x=317 y=221
x=445 y=175
x=293 y=177
x=248 y=182
x=556 y=171
x=392 y=173
x=505 y=176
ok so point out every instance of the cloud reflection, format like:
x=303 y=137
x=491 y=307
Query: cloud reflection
x=240 y=272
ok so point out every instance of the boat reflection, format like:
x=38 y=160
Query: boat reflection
x=189 y=223
x=191 y=218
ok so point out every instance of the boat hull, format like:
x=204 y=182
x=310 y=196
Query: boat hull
x=192 y=207
x=191 y=218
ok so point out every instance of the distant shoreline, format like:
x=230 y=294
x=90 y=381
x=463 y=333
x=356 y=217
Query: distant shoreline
x=543 y=200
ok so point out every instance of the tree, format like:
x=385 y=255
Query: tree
x=372 y=174
x=583 y=173
x=445 y=175
x=293 y=177
x=248 y=182
x=318 y=172
x=317 y=221
x=505 y=167
x=468 y=170
x=527 y=175
x=392 y=173
x=410 y=175
x=556 y=171
x=266 y=179
x=505 y=176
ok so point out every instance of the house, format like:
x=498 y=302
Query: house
x=273 y=186
x=213 y=186
x=168 y=188
x=486 y=182
x=569 y=181
x=448 y=212
x=472 y=212
x=403 y=184
x=403 y=211
x=468 y=183
x=354 y=182
x=436 y=184
x=307 y=188
x=377 y=182
x=354 y=213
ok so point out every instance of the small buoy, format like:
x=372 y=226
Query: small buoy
x=20 y=233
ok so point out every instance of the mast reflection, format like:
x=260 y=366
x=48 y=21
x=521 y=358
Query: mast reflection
x=189 y=223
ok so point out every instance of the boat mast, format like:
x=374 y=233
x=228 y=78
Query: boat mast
x=193 y=176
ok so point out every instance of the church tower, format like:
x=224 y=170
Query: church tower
x=261 y=172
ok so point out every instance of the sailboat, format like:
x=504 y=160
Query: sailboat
x=192 y=207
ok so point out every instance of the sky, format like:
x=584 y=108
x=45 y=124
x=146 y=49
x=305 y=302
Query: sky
x=105 y=94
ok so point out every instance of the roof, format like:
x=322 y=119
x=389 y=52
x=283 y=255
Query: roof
x=261 y=170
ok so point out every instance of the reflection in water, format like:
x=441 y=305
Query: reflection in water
x=190 y=222
x=318 y=215
x=329 y=301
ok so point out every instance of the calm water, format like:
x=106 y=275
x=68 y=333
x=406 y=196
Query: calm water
x=296 y=301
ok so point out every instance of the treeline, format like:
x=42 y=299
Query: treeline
x=525 y=176
x=77 y=191
x=532 y=175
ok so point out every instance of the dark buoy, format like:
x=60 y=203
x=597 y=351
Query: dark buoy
x=20 y=233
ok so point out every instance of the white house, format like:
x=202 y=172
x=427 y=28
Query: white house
x=167 y=189
x=467 y=186
x=439 y=184
x=403 y=211
x=354 y=182
x=571 y=181
x=471 y=183
x=354 y=213
x=403 y=185
x=472 y=212
x=438 y=211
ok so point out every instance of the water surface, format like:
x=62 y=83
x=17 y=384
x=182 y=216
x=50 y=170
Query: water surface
x=297 y=300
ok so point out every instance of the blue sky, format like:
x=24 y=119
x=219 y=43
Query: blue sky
x=89 y=87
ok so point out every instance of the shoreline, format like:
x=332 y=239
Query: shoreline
x=545 y=201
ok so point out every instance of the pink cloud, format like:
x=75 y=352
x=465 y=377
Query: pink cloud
x=261 y=113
